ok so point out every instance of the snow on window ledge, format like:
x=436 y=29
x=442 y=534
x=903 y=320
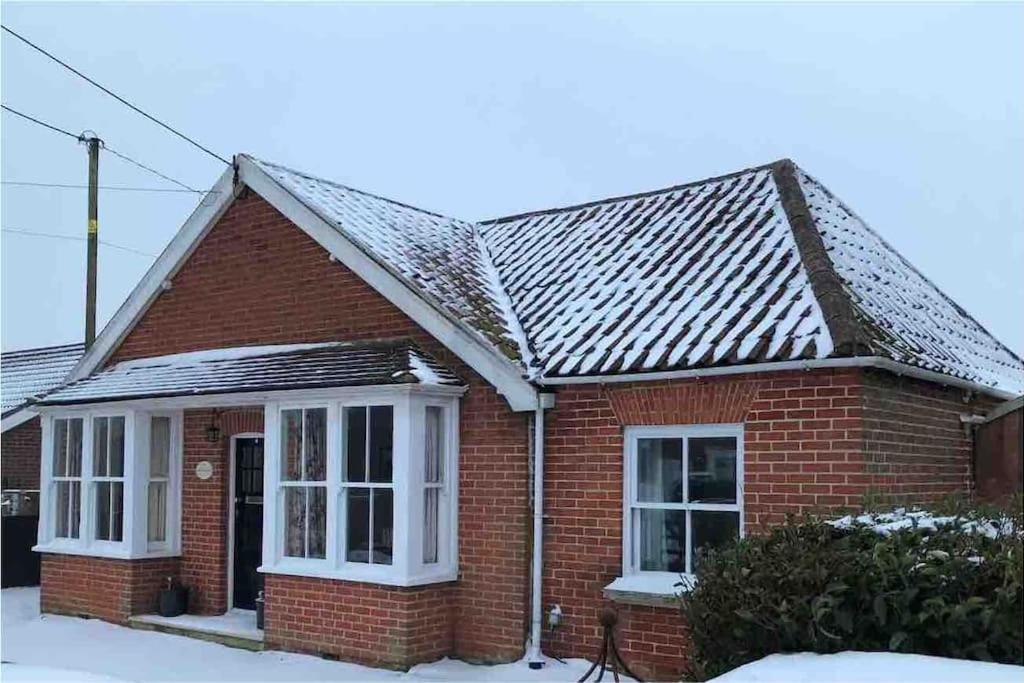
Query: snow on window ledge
x=375 y=574
x=108 y=551
x=658 y=589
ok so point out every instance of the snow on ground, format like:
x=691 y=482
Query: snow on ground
x=870 y=667
x=885 y=523
x=37 y=647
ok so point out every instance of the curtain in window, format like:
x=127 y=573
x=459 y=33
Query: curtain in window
x=159 y=478
x=433 y=459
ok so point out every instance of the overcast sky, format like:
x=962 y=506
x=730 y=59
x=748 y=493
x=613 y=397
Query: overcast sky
x=913 y=114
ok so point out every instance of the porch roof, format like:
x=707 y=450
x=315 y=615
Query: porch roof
x=246 y=369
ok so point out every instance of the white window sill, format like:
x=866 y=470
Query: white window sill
x=375 y=574
x=108 y=552
x=657 y=589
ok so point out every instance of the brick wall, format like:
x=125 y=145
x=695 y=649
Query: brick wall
x=813 y=441
x=19 y=455
x=258 y=279
x=106 y=589
x=359 y=622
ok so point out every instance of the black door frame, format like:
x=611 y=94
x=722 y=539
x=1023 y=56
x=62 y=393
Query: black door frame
x=232 y=466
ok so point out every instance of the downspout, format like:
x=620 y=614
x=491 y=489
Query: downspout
x=534 y=655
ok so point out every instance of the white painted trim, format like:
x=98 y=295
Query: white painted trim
x=16 y=419
x=209 y=211
x=753 y=368
x=534 y=655
x=261 y=398
x=630 y=574
x=466 y=343
x=232 y=463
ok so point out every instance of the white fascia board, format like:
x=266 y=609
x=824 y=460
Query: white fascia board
x=203 y=218
x=15 y=419
x=502 y=373
x=782 y=366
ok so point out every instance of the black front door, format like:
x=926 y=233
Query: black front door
x=248 y=522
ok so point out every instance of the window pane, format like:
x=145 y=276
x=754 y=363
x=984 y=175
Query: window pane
x=381 y=437
x=99 y=446
x=357 y=531
x=75 y=447
x=316 y=444
x=157 y=508
x=291 y=445
x=159 y=447
x=660 y=470
x=383 y=526
x=109 y=510
x=434 y=451
x=355 y=444
x=431 y=500
x=116 y=447
x=68 y=509
x=662 y=540
x=712 y=529
x=295 y=522
x=60 y=448
x=317 y=542
x=712 y=470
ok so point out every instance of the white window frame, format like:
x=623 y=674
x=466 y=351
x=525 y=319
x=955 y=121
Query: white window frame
x=633 y=578
x=97 y=479
x=133 y=543
x=47 y=462
x=408 y=412
x=172 y=518
x=285 y=484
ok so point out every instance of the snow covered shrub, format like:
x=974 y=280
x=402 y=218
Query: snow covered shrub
x=904 y=582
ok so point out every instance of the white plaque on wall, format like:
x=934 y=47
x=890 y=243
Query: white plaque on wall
x=204 y=469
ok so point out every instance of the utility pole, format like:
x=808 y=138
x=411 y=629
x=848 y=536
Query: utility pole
x=93 y=240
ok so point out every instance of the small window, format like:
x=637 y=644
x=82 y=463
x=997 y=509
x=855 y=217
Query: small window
x=304 y=480
x=159 y=478
x=367 y=486
x=67 y=476
x=433 y=482
x=685 y=496
x=108 y=477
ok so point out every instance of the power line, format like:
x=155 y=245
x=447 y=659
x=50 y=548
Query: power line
x=41 y=123
x=114 y=95
x=77 y=239
x=121 y=188
x=81 y=138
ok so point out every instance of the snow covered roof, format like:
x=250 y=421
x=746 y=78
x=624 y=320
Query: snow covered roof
x=30 y=372
x=756 y=266
x=258 y=368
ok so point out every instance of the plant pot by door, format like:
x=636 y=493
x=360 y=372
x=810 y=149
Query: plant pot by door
x=173 y=601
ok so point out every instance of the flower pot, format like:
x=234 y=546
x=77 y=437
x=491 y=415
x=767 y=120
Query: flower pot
x=173 y=601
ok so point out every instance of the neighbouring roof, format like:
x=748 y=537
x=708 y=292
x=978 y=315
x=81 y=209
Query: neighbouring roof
x=30 y=372
x=757 y=266
x=258 y=368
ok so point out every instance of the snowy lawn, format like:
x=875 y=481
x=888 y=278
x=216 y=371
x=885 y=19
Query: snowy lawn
x=52 y=648
x=870 y=667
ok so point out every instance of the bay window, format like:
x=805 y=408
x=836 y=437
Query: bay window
x=111 y=484
x=683 y=493
x=365 y=486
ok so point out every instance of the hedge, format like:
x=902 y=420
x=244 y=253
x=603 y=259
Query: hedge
x=808 y=586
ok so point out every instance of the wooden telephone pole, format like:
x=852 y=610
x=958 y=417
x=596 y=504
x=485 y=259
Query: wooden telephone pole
x=93 y=240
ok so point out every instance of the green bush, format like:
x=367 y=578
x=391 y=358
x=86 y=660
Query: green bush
x=807 y=586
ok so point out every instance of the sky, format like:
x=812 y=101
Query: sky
x=912 y=114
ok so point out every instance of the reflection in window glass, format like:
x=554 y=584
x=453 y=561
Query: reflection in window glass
x=712 y=470
x=712 y=530
x=662 y=540
x=660 y=465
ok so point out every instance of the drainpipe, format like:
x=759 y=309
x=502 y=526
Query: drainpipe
x=534 y=655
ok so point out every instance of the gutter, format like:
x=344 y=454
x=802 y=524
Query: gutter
x=782 y=366
x=533 y=653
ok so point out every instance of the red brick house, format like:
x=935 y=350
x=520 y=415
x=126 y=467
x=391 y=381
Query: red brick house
x=343 y=401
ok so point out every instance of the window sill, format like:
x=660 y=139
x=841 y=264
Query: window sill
x=359 y=574
x=110 y=553
x=651 y=589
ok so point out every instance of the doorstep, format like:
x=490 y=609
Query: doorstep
x=235 y=628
